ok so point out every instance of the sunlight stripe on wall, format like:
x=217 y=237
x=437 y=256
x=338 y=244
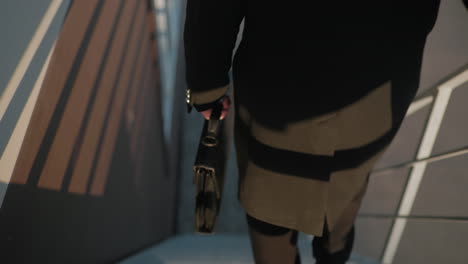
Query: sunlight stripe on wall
x=28 y=55
x=8 y=160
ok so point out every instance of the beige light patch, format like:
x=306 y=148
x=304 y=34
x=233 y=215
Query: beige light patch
x=317 y=135
x=60 y=65
x=118 y=105
x=367 y=119
x=90 y=143
x=58 y=158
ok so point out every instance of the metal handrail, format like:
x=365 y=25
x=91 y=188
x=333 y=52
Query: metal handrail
x=438 y=157
x=432 y=90
x=439 y=98
x=453 y=80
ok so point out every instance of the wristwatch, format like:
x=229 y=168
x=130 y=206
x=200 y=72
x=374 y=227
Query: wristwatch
x=188 y=100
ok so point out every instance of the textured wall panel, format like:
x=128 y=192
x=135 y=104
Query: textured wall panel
x=89 y=185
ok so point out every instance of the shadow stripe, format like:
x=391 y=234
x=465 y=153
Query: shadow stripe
x=87 y=151
x=79 y=140
x=93 y=178
x=46 y=144
x=300 y=164
x=109 y=137
x=59 y=155
x=292 y=163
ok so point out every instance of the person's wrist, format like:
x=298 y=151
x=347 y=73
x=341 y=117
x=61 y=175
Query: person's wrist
x=204 y=99
x=207 y=106
x=225 y=101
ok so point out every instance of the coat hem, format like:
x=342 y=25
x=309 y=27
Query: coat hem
x=279 y=222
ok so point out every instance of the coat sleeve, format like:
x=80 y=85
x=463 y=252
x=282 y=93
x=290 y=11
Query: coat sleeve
x=210 y=33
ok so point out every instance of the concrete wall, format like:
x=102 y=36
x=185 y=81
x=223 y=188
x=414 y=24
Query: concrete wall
x=84 y=172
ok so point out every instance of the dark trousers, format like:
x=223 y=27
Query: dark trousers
x=273 y=244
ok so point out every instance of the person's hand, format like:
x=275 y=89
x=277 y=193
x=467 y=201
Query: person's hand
x=226 y=103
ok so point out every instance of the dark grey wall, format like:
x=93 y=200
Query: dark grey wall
x=91 y=181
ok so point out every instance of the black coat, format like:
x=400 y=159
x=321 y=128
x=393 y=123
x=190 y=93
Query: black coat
x=286 y=47
x=320 y=88
x=304 y=59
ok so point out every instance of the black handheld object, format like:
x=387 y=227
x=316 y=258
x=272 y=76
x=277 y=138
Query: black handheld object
x=209 y=171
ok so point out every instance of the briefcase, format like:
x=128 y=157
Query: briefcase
x=209 y=172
